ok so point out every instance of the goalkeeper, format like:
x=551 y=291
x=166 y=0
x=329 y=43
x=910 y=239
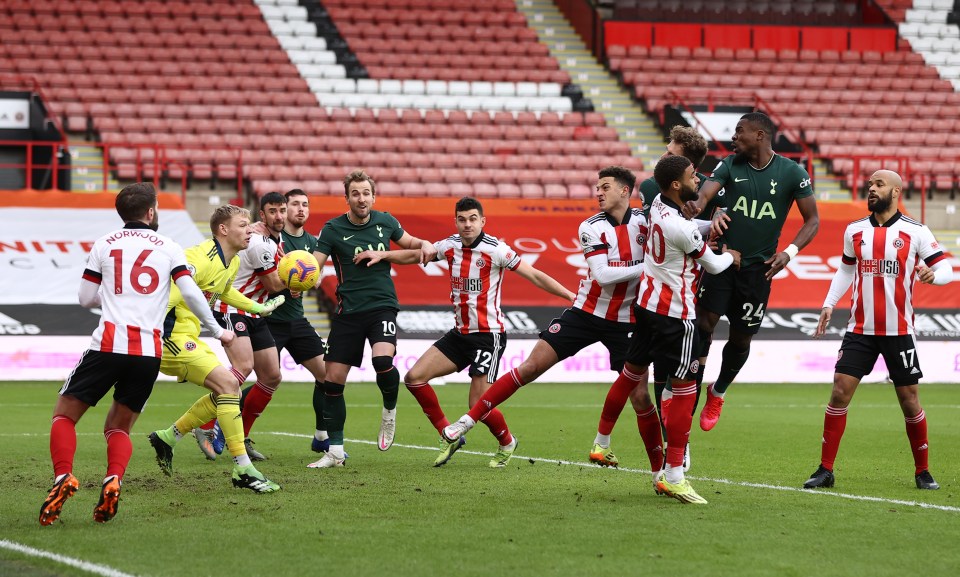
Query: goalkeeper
x=213 y=264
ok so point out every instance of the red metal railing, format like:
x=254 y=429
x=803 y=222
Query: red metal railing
x=128 y=161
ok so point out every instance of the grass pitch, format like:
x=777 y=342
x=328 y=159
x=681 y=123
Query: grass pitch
x=548 y=513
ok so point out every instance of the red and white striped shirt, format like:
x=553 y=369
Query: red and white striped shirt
x=622 y=244
x=670 y=269
x=886 y=258
x=134 y=267
x=258 y=259
x=476 y=278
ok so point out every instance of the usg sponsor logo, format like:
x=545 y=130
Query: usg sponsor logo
x=11 y=326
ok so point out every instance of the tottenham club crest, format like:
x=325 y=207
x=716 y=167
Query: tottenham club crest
x=898 y=243
x=190 y=345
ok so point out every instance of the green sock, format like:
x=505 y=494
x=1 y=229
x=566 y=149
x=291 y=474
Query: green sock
x=318 y=403
x=334 y=411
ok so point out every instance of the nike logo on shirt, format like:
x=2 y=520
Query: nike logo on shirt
x=740 y=179
x=349 y=237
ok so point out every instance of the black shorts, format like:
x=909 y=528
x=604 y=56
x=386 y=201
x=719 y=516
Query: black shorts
x=348 y=333
x=670 y=343
x=254 y=328
x=131 y=377
x=576 y=330
x=741 y=295
x=298 y=337
x=479 y=351
x=858 y=353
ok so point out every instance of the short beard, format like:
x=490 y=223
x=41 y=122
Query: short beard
x=880 y=205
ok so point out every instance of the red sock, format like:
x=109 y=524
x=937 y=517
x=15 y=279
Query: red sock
x=63 y=444
x=648 y=424
x=678 y=416
x=257 y=400
x=834 y=422
x=498 y=427
x=616 y=398
x=119 y=450
x=499 y=392
x=428 y=401
x=917 y=433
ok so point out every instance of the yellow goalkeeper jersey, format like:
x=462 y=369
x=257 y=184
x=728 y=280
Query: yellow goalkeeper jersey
x=214 y=276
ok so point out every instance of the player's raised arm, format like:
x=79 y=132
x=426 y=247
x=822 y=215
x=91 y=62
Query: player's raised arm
x=543 y=281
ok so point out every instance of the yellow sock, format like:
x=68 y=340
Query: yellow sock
x=231 y=423
x=201 y=412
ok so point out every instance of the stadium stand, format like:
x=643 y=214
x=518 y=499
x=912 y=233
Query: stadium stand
x=847 y=91
x=226 y=89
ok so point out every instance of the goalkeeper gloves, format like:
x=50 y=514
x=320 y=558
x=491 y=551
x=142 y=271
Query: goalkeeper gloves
x=267 y=308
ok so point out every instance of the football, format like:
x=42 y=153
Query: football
x=299 y=270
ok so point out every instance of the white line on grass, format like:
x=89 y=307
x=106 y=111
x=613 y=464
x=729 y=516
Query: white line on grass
x=551 y=406
x=646 y=472
x=94 y=568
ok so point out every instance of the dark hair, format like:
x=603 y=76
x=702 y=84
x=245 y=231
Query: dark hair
x=358 y=176
x=133 y=202
x=693 y=143
x=272 y=198
x=622 y=175
x=763 y=121
x=468 y=203
x=294 y=192
x=670 y=169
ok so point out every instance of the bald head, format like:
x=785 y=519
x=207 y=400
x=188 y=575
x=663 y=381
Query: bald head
x=888 y=177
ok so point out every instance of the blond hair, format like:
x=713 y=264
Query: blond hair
x=224 y=213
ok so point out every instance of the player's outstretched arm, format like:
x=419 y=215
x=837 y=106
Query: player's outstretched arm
x=543 y=281
x=842 y=280
x=240 y=301
x=693 y=208
x=717 y=263
x=193 y=296
x=604 y=274
x=428 y=252
x=406 y=256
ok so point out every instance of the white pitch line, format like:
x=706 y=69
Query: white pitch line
x=94 y=568
x=819 y=406
x=748 y=484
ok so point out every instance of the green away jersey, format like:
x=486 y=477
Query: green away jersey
x=361 y=288
x=650 y=189
x=292 y=309
x=757 y=202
